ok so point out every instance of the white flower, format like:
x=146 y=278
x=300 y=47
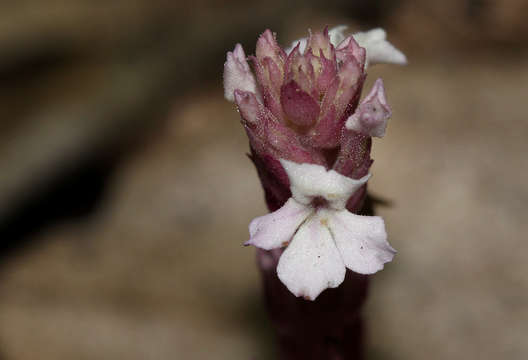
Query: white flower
x=322 y=237
x=378 y=49
x=337 y=34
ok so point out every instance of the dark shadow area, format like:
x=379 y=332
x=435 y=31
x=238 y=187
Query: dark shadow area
x=368 y=13
x=72 y=194
x=29 y=64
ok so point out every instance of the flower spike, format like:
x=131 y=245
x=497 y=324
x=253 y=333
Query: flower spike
x=310 y=140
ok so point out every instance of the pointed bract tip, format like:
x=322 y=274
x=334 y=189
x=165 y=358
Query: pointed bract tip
x=267 y=46
x=370 y=118
x=248 y=106
x=237 y=74
x=239 y=52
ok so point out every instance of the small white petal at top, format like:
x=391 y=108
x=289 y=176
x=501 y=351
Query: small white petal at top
x=379 y=50
x=337 y=34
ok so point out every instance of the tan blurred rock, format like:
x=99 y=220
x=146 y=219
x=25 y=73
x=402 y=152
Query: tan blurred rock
x=463 y=26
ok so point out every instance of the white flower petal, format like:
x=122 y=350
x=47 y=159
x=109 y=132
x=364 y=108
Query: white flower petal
x=276 y=229
x=311 y=263
x=361 y=240
x=308 y=181
x=303 y=42
x=379 y=50
x=337 y=34
x=237 y=74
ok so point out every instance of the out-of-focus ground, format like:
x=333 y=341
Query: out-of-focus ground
x=124 y=104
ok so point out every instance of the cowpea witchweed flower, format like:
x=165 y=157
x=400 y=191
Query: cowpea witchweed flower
x=310 y=139
x=325 y=237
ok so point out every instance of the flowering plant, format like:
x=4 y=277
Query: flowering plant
x=310 y=139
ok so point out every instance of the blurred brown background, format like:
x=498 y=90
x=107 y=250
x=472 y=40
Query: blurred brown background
x=125 y=192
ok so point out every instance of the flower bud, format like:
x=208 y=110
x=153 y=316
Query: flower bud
x=372 y=114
